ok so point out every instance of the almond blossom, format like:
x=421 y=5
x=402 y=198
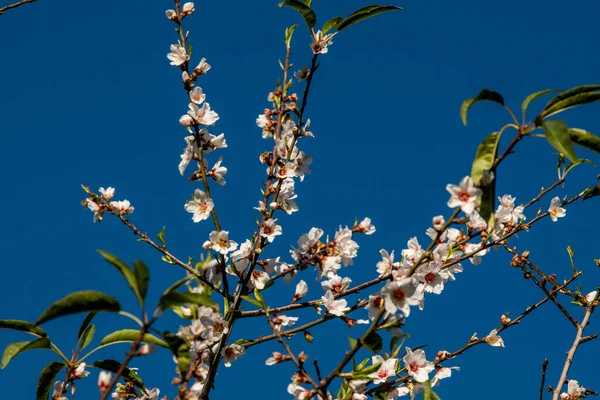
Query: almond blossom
x=555 y=210
x=107 y=193
x=202 y=115
x=217 y=172
x=200 y=206
x=386 y=265
x=269 y=229
x=301 y=290
x=202 y=67
x=122 y=206
x=259 y=279
x=574 y=391
x=464 y=195
x=197 y=96
x=387 y=369
x=104 y=379
x=401 y=294
x=365 y=227
x=417 y=365
x=335 y=307
x=231 y=353
x=493 y=339
x=336 y=283
x=219 y=242
x=177 y=55
x=320 y=42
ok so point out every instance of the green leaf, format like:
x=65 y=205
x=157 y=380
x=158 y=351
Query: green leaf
x=370 y=369
x=557 y=135
x=131 y=335
x=362 y=365
x=585 y=139
x=86 y=322
x=332 y=24
x=352 y=342
x=374 y=342
x=591 y=192
x=16 y=348
x=47 y=378
x=127 y=273
x=484 y=160
x=365 y=13
x=142 y=277
x=78 y=302
x=428 y=393
x=484 y=95
x=535 y=96
x=161 y=235
x=114 y=366
x=22 y=326
x=259 y=297
x=288 y=38
x=570 y=93
x=307 y=2
x=253 y=301
x=180 y=350
x=177 y=298
x=87 y=336
x=570 y=102
x=307 y=13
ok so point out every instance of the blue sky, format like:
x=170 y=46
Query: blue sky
x=89 y=97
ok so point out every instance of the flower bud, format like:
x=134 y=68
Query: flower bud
x=308 y=337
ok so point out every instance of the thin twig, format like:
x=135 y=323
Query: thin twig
x=544 y=366
x=15 y=5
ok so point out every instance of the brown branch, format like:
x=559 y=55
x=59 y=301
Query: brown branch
x=571 y=354
x=15 y=5
x=544 y=366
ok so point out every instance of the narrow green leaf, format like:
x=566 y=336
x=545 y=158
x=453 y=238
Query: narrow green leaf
x=259 y=297
x=16 y=348
x=87 y=336
x=131 y=335
x=128 y=274
x=177 y=298
x=535 y=96
x=307 y=13
x=288 y=39
x=585 y=139
x=46 y=379
x=428 y=393
x=352 y=342
x=253 y=301
x=370 y=369
x=557 y=135
x=307 y=2
x=332 y=24
x=591 y=192
x=180 y=350
x=22 y=326
x=362 y=365
x=374 y=342
x=161 y=235
x=572 y=92
x=365 y=13
x=571 y=102
x=78 y=302
x=86 y=322
x=114 y=366
x=484 y=160
x=484 y=95
x=142 y=277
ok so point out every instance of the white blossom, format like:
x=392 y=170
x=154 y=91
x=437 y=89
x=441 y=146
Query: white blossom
x=197 y=96
x=464 y=196
x=200 y=206
x=417 y=365
x=107 y=193
x=336 y=283
x=269 y=229
x=387 y=369
x=219 y=242
x=232 y=353
x=555 y=210
x=335 y=307
x=301 y=290
x=401 y=294
x=202 y=67
x=202 y=115
x=177 y=55
x=320 y=42
x=123 y=206
x=493 y=339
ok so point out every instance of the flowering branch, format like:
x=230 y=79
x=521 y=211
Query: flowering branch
x=571 y=354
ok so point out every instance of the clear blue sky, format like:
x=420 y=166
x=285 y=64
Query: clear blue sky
x=88 y=97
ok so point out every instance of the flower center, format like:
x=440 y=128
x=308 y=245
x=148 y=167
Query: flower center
x=463 y=196
x=430 y=277
x=399 y=294
x=414 y=366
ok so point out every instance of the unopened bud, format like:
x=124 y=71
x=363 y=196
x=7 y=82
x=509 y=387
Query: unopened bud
x=302 y=356
x=504 y=320
x=308 y=337
x=438 y=222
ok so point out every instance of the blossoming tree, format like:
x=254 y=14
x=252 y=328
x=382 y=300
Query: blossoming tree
x=234 y=280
